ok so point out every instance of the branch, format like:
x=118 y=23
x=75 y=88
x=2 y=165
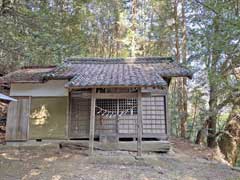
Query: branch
x=224 y=102
x=208 y=7
x=215 y=12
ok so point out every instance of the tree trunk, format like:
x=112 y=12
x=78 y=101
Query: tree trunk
x=211 y=140
x=212 y=119
x=229 y=147
x=194 y=118
x=184 y=80
x=202 y=134
x=177 y=53
x=229 y=142
x=213 y=86
x=134 y=23
x=176 y=84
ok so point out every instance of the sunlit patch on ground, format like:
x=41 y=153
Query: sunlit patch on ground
x=56 y=177
x=32 y=173
x=50 y=159
x=9 y=156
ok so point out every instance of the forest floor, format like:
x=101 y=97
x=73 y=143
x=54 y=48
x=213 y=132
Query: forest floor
x=184 y=162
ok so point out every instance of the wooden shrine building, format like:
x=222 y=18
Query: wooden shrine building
x=111 y=101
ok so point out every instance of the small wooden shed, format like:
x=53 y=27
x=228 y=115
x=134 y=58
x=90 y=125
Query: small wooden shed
x=106 y=100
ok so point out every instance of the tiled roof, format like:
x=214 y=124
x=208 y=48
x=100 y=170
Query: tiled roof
x=27 y=74
x=104 y=72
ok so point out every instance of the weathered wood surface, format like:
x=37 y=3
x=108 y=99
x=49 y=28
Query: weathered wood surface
x=17 y=120
x=51 y=88
x=92 y=122
x=147 y=146
x=153 y=115
x=79 y=118
x=139 y=123
x=111 y=95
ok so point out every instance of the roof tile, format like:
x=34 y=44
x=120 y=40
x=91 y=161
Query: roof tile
x=93 y=72
x=96 y=72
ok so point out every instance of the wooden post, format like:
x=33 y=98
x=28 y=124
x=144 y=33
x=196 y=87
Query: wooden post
x=167 y=116
x=117 y=119
x=92 y=121
x=68 y=125
x=139 y=123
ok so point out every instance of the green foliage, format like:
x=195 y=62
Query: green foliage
x=214 y=52
x=46 y=32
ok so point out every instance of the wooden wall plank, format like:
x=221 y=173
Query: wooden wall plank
x=17 y=120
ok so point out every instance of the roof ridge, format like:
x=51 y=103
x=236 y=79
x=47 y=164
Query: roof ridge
x=99 y=60
x=38 y=67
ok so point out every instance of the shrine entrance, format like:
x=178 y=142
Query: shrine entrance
x=115 y=116
x=109 y=115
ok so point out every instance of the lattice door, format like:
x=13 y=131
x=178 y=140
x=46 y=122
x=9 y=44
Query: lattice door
x=116 y=116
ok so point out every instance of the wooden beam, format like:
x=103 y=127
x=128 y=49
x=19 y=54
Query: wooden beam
x=111 y=95
x=115 y=95
x=92 y=121
x=139 y=123
x=148 y=146
x=116 y=86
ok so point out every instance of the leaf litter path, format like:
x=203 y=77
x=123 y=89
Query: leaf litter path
x=184 y=162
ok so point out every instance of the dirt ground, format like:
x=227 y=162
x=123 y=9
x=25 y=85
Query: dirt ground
x=184 y=161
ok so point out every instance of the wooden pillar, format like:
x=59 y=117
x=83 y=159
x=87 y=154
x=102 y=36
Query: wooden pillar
x=139 y=123
x=167 y=116
x=92 y=121
x=117 y=119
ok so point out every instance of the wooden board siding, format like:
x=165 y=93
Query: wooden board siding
x=17 y=120
x=48 y=118
x=79 y=120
